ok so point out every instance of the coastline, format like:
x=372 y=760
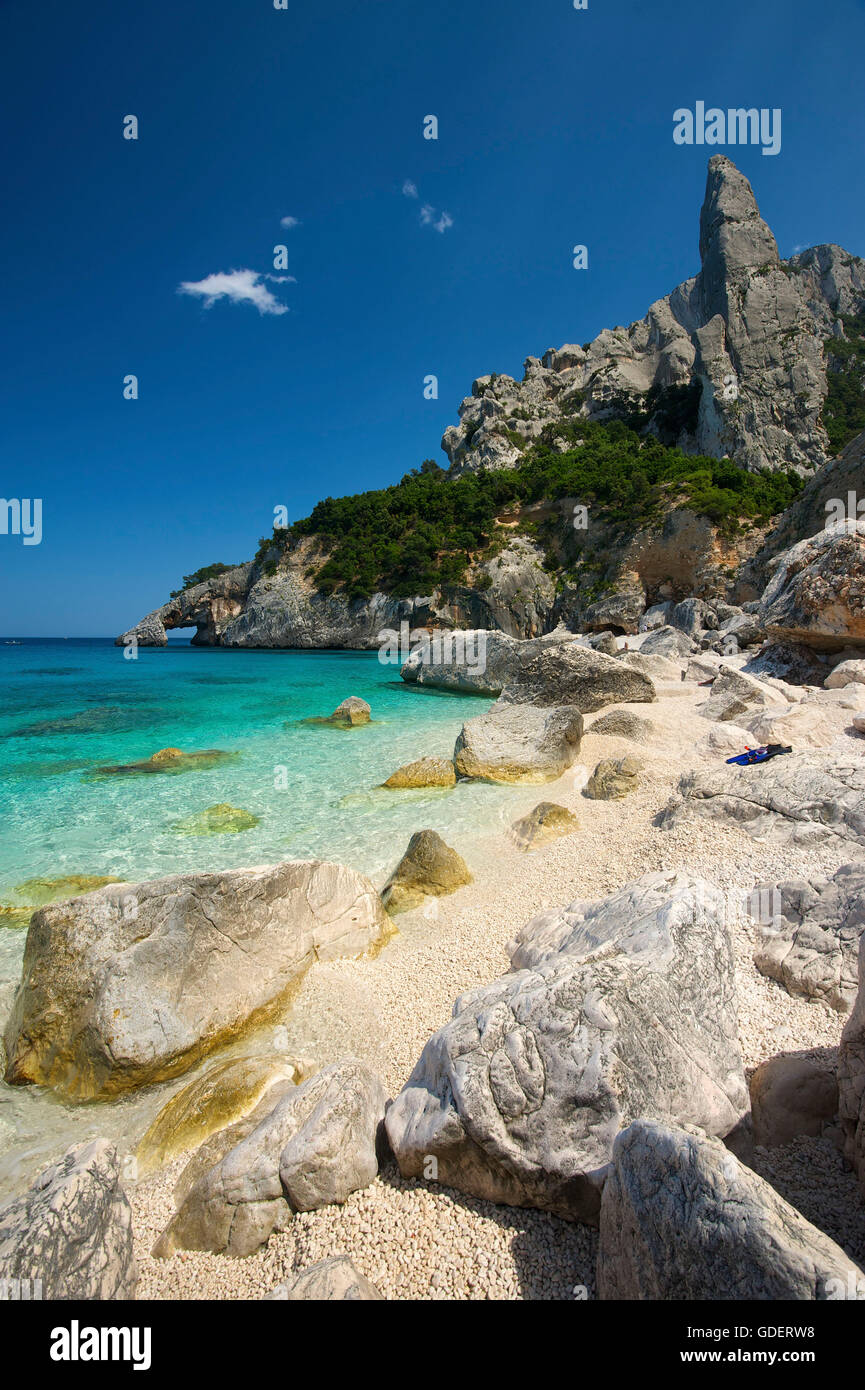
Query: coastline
x=384 y=1010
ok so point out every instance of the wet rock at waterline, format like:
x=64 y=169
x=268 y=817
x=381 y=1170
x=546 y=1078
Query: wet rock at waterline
x=545 y=823
x=224 y=1094
x=316 y=1147
x=429 y=868
x=424 y=772
x=136 y=982
x=519 y=743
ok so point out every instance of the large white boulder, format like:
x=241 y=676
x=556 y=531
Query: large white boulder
x=134 y=983
x=611 y=1010
x=682 y=1219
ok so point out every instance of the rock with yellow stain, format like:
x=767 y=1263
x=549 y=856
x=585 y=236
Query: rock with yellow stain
x=222 y=819
x=136 y=983
x=225 y=1093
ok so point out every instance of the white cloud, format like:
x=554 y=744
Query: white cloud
x=429 y=216
x=289 y=222
x=237 y=286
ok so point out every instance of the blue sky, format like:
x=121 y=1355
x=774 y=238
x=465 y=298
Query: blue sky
x=555 y=128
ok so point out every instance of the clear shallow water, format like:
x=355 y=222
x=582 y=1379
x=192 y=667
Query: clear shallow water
x=67 y=707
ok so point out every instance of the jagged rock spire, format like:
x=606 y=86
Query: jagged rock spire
x=733 y=235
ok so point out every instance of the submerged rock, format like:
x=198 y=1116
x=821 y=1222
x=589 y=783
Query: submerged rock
x=36 y=892
x=424 y=772
x=170 y=761
x=429 y=868
x=351 y=713
x=39 y=891
x=135 y=983
x=225 y=1093
x=545 y=823
x=72 y=1230
x=222 y=819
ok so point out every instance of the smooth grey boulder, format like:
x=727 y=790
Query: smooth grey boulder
x=682 y=1218
x=654 y=667
x=72 y=1230
x=477 y=661
x=333 y=1280
x=691 y=617
x=519 y=743
x=735 y=694
x=571 y=674
x=851 y=1078
x=316 y=1147
x=622 y=723
x=668 y=642
x=656 y=616
x=744 y=629
x=134 y=983
x=611 y=1010
x=812 y=946
x=802 y=798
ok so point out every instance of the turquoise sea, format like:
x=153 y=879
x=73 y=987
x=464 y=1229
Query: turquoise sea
x=69 y=707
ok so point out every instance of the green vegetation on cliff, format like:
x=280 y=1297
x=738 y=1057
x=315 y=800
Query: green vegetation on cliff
x=426 y=530
x=199 y=577
x=844 y=411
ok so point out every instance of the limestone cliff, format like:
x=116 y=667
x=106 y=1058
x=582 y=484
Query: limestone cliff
x=732 y=362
